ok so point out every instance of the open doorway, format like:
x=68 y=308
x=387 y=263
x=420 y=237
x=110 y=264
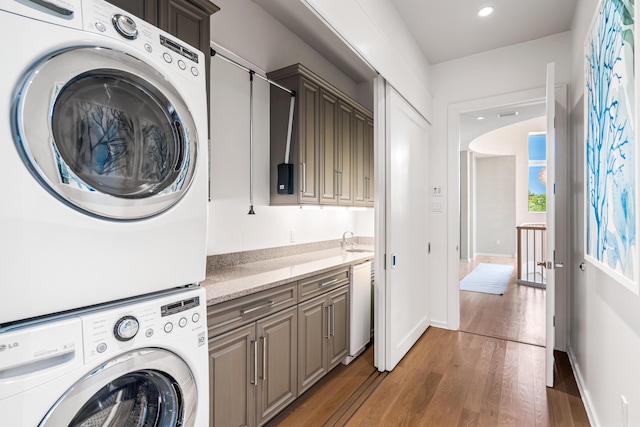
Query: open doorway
x=496 y=195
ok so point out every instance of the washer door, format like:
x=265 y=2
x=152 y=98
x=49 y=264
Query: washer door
x=148 y=387
x=106 y=133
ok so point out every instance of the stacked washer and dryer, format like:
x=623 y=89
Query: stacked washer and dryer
x=103 y=182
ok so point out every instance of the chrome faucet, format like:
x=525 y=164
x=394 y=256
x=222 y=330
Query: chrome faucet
x=344 y=242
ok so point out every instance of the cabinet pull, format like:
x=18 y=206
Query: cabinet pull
x=264 y=358
x=304 y=177
x=256 y=308
x=336 y=184
x=328 y=322
x=340 y=185
x=254 y=381
x=330 y=282
x=333 y=320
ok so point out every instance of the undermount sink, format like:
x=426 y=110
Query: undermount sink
x=357 y=250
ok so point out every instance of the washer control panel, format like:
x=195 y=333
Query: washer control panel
x=149 y=322
x=106 y=19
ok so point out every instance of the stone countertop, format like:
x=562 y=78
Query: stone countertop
x=233 y=282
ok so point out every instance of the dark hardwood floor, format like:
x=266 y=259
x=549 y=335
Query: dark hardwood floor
x=491 y=373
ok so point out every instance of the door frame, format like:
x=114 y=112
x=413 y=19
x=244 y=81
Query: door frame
x=453 y=204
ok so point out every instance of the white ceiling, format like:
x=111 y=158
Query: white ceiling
x=450 y=29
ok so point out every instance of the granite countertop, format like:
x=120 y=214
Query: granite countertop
x=233 y=282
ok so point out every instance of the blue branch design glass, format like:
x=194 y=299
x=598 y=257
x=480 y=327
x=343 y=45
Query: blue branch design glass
x=610 y=138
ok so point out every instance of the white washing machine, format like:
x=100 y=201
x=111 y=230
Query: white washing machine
x=143 y=363
x=103 y=158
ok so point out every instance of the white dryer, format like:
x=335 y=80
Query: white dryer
x=142 y=363
x=103 y=158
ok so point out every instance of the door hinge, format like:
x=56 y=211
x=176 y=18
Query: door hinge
x=554 y=321
x=384 y=262
x=429 y=248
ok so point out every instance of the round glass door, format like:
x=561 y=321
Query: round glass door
x=149 y=387
x=111 y=138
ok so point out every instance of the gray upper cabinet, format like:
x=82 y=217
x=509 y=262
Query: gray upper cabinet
x=363 y=160
x=323 y=142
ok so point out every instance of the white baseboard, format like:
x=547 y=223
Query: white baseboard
x=438 y=324
x=586 y=399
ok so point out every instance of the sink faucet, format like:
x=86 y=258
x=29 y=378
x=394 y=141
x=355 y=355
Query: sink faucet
x=344 y=242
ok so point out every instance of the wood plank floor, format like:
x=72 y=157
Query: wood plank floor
x=491 y=373
x=449 y=378
x=518 y=315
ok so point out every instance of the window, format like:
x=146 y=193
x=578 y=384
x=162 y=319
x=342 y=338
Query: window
x=537 y=182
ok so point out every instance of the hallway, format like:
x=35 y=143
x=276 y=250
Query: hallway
x=518 y=315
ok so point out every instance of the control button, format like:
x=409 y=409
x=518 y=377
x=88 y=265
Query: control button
x=182 y=322
x=168 y=327
x=148 y=333
x=148 y=47
x=181 y=64
x=167 y=57
x=100 y=27
x=126 y=328
x=195 y=317
x=194 y=71
x=101 y=348
x=125 y=26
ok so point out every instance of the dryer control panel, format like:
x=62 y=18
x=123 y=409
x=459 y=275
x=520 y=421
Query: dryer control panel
x=145 y=324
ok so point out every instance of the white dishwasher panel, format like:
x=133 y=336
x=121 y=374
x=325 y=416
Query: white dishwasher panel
x=360 y=301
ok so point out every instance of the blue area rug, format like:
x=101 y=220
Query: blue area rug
x=487 y=278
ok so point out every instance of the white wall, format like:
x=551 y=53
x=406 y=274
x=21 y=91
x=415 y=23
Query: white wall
x=248 y=31
x=516 y=68
x=605 y=322
x=496 y=205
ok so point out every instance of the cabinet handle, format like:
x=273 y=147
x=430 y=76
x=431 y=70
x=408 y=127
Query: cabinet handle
x=264 y=358
x=333 y=320
x=340 y=186
x=254 y=381
x=327 y=308
x=336 y=184
x=304 y=177
x=256 y=308
x=330 y=282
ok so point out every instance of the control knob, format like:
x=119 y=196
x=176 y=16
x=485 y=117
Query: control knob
x=126 y=328
x=125 y=26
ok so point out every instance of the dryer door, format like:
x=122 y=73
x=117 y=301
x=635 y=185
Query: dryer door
x=105 y=133
x=148 y=387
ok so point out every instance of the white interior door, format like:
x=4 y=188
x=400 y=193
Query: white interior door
x=551 y=229
x=406 y=294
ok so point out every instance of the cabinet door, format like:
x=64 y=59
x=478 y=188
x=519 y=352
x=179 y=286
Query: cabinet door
x=143 y=9
x=312 y=335
x=369 y=161
x=232 y=366
x=328 y=148
x=345 y=153
x=277 y=340
x=338 y=342
x=360 y=166
x=308 y=110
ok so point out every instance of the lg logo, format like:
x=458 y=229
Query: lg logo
x=4 y=347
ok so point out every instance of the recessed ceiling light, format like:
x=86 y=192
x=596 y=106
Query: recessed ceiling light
x=485 y=11
x=480 y=118
x=508 y=114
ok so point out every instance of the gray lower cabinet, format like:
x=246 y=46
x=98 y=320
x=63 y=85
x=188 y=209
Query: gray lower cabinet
x=254 y=370
x=323 y=335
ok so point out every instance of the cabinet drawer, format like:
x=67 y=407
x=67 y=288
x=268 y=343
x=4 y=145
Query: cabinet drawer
x=321 y=283
x=228 y=315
